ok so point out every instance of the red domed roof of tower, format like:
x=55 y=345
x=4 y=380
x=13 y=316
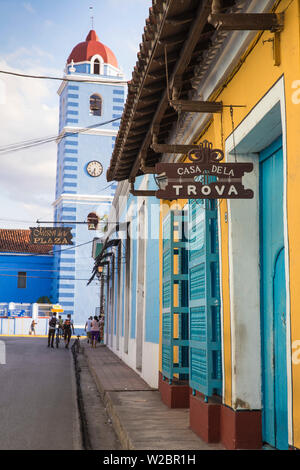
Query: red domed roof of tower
x=84 y=51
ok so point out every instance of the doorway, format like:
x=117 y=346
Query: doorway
x=273 y=298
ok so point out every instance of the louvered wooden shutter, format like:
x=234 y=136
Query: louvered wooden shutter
x=204 y=299
x=175 y=298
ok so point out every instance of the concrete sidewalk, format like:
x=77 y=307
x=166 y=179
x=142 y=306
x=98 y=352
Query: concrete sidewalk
x=140 y=418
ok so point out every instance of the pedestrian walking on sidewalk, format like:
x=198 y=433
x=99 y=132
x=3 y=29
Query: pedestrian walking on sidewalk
x=52 y=327
x=95 y=330
x=68 y=328
x=32 y=328
x=61 y=326
x=87 y=328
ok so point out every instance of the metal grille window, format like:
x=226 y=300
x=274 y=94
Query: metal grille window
x=22 y=280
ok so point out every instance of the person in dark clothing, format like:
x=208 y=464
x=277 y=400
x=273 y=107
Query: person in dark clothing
x=52 y=327
x=68 y=327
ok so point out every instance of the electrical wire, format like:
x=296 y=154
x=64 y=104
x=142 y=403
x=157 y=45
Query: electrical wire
x=9 y=268
x=36 y=142
x=53 y=278
x=62 y=79
x=50 y=252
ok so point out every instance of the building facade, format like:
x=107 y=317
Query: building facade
x=91 y=102
x=129 y=264
x=26 y=270
x=228 y=296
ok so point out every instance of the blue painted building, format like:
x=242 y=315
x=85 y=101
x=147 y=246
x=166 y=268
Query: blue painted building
x=26 y=270
x=90 y=108
x=131 y=280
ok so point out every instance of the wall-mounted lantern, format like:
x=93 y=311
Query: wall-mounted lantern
x=92 y=220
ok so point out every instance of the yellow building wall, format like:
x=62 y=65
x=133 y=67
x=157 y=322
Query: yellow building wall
x=254 y=76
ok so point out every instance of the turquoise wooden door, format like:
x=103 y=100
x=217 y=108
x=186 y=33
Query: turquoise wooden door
x=273 y=298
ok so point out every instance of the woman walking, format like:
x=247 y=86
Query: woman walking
x=95 y=329
x=32 y=328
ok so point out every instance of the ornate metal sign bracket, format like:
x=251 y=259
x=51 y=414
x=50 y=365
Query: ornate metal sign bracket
x=205 y=177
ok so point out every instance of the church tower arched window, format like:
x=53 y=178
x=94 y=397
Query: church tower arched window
x=95 y=105
x=97 y=67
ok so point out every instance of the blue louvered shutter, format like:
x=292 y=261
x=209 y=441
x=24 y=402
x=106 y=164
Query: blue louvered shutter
x=204 y=299
x=174 y=246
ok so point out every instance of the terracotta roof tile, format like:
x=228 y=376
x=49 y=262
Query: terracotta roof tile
x=18 y=241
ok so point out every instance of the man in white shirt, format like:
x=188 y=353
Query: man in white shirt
x=88 y=327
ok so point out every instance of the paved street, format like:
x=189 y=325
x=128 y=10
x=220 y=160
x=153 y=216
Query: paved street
x=37 y=400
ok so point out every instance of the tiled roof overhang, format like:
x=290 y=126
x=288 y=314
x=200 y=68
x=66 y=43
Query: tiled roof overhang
x=18 y=241
x=175 y=37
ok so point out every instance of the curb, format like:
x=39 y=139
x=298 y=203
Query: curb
x=29 y=336
x=118 y=426
x=24 y=336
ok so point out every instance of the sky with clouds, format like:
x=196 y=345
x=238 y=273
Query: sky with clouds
x=36 y=37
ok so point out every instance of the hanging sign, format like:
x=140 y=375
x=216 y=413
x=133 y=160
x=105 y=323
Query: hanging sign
x=51 y=235
x=204 y=178
x=57 y=308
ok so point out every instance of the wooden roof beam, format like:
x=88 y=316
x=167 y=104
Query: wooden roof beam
x=179 y=149
x=128 y=148
x=155 y=87
x=160 y=60
x=181 y=19
x=157 y=76
x=197 y=106
x=140 y=123
x=132 y=140
x=248 y=21
x=172 y=40
x=138 y=131
x=144 y=111
x=150 y=98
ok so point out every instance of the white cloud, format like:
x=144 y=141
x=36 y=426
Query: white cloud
x=28 y=7
x=30 y=111
x=48 y=23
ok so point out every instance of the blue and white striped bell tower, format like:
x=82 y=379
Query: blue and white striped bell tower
x=85 y=145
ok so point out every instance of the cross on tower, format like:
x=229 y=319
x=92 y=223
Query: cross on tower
x=92 y=17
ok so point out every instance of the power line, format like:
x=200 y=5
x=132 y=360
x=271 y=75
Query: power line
x=36 y=142
x=71 y=247
x=17 y=221
x=53 y=278
x=9 y=268
x=51 y=251
x=62 y=79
